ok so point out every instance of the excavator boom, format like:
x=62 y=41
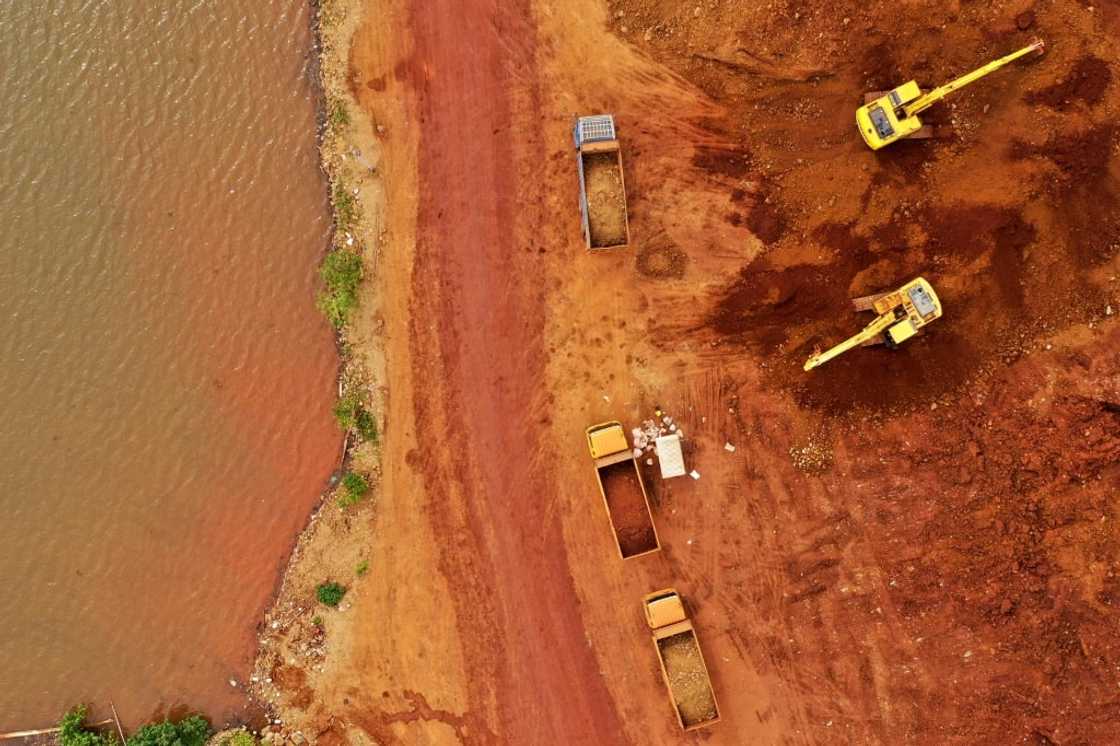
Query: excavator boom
x=932 y=97
x=871 y=331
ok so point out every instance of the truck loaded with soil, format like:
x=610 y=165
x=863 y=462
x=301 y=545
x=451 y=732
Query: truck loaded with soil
x=624 y=493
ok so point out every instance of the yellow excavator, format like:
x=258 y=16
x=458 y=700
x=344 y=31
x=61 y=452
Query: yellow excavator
x=901 y=312
x=891 y=116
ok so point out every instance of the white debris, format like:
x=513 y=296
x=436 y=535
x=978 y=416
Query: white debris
x=694 y=474
x=649 y=462
x=729 y=448
x=1108 y=310
x=670 y=456
x=672 y=428
x=606 y=398
x=637 y=453
x=233 y=683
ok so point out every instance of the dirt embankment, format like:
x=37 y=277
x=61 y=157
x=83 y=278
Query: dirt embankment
x=915 y=546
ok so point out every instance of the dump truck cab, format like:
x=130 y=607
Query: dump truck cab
x=664 y=608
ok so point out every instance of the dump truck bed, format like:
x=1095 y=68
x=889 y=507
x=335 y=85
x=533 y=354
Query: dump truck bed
x=686 y=675
x=628 y=508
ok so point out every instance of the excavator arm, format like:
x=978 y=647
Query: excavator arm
x=870 y=332
x=927 y=100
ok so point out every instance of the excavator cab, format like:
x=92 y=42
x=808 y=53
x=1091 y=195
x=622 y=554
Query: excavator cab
x=883 y=120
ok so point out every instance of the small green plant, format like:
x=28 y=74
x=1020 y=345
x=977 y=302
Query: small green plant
x=72 y=731
x=342 y=273
x=317 y=620
x=330 y=593
x=354 y=488
x=241 y=738
x=362 y=568
x=345 y=207
x=339 y=115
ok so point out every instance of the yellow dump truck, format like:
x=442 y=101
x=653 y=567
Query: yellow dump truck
x=602 y=187
x=624 y=493
x=682 y=663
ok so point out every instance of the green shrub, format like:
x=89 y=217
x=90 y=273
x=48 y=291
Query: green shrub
x=341 y=272
x=351 y=415
x=74 y=733
x=330 y=594
x=317 y=620
x=354 y=488
x=190 y=731
x=366 y=425
x=362 y=568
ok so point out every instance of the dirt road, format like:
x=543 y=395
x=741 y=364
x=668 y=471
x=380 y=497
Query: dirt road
x=911 y=547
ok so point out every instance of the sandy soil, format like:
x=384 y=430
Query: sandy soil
x=915 y=547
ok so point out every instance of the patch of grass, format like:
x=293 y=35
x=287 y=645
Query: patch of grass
x=317 y=620
x=352 y=415
x=354 y=488
x=330 y=593
x=362 y=568
x=345 y=207
x=338 y=115
x=341 y=271
x=241 y=738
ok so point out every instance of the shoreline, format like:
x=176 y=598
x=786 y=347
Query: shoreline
x=294 y=628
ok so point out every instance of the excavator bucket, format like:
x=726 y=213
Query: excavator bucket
x=867 y=302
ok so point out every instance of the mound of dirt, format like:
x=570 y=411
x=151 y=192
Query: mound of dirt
x=1086 y=83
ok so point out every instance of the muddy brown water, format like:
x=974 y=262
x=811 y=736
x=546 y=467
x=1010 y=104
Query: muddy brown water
x=164 y=377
